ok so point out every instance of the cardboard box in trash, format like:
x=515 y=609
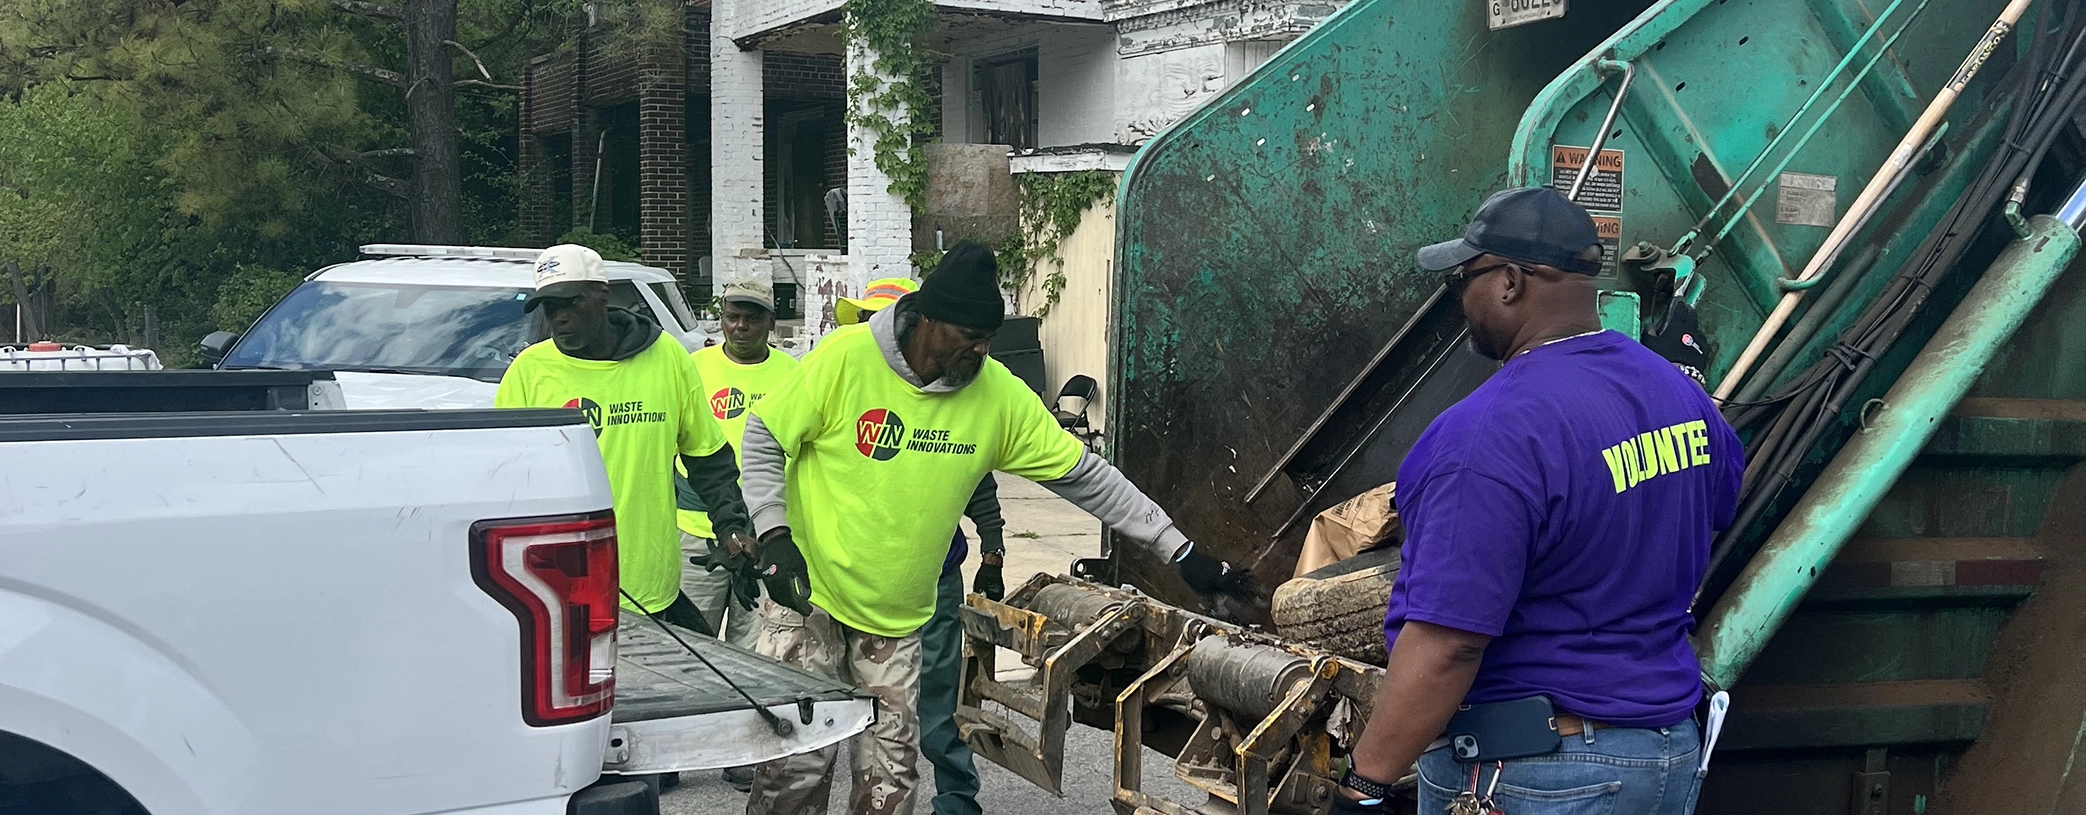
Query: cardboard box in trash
x=1349 y=527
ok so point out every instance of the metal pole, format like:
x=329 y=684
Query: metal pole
x=1769 y=588
x=2073 y=211
x=594 y=200
x=1872 y=194
x=1600 y=139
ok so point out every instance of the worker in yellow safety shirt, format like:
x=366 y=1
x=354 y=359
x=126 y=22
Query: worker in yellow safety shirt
x=641 y=393
x=956 y=781
x=736 y=373
x=857 y=469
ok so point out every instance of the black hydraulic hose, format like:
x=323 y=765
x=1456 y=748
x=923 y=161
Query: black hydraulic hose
x=1806 y=408
x=1813 y=319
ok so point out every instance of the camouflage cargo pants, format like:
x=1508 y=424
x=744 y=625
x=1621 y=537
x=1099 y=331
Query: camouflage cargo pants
x=885 y=757
x=711 y=593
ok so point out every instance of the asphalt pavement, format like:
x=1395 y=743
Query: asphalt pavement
x=1088 y=782
x=1044 y=534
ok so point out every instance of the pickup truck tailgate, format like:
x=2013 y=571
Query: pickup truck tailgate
x=674 y=713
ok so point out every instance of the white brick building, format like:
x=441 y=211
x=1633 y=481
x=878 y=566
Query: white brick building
x=1036 y=75
x=754 y=98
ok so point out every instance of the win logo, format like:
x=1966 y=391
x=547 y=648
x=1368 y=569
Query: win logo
x=729 y=403
x=879 y=434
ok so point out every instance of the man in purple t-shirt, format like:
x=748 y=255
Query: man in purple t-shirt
x=1557 y=521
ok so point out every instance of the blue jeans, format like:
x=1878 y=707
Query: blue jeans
x=1623 y=771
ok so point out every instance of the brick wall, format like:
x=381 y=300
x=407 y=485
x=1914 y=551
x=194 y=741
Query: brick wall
x=611 y=72
x=804 y=76
x=662 y=127
x=548 y=105
x=561 y=96
x=697 y=46
x=535 y=176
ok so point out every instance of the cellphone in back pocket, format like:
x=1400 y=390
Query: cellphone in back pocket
x=1496 y=731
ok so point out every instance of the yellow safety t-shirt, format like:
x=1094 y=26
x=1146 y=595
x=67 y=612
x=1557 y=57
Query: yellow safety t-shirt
x=732 y=388
x=644 y=410
x=879 y=472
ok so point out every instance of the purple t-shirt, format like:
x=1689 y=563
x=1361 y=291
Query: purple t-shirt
x=1565 y=508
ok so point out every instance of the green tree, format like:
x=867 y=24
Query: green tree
x=95 y=222
x=276 y=102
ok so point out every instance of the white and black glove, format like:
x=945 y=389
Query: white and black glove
x=1213 y=578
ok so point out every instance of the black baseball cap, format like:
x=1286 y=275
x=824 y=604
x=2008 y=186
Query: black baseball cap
x=1536 y=225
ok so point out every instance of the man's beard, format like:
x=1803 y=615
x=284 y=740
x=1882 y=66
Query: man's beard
x=1480 y=348
x=962 y=367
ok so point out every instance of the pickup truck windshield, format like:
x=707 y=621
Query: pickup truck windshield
x=449 y=330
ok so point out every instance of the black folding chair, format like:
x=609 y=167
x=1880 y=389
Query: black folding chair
x=1082 y=388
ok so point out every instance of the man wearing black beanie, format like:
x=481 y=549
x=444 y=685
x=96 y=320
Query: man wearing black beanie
x=878 y=442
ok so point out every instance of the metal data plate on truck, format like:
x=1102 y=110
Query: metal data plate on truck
x=673 y=713
x=1509 y=13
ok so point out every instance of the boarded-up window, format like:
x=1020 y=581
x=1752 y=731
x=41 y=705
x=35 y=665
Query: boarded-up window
x=1009 y=91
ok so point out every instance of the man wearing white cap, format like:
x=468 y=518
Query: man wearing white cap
x=644 y=399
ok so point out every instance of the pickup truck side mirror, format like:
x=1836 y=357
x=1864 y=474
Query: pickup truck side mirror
x=217 y=345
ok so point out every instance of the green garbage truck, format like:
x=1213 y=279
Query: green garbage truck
x=1870 y=206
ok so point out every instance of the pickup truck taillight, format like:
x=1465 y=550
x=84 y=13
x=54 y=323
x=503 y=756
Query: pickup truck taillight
x=558 y=576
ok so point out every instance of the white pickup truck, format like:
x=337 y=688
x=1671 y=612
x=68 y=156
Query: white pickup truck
x=221 y=601
x=421 y=326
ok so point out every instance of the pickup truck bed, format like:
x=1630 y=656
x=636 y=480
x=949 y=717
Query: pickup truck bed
x=674 y=713
x=187 y=568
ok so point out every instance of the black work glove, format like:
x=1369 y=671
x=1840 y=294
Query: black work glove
x=783 y=569
x=1681 y=342
x=989 y=581
x=720 y=558
x=1343 y=805
x=741 y=567
x=1213 y=578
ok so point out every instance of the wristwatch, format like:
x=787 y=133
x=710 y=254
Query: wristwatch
x=1372 y=791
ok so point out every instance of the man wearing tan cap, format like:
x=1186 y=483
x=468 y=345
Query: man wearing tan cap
x=736 y=373
x=641 y=393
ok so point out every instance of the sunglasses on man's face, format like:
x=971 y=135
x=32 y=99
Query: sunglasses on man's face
x=1458 y=279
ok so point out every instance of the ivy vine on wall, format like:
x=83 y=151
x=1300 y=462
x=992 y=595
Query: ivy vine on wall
x=1051 y=207
x=891 y=102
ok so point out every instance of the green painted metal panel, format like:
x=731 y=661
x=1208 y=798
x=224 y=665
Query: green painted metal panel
x=1864 y=472
x=1880 y=646
x=1264 y=261
x=1265 y=243
x=1717 y=82
x=1619 y=312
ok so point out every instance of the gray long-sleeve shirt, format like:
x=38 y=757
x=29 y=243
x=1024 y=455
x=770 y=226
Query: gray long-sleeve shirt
x=1092 y=484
